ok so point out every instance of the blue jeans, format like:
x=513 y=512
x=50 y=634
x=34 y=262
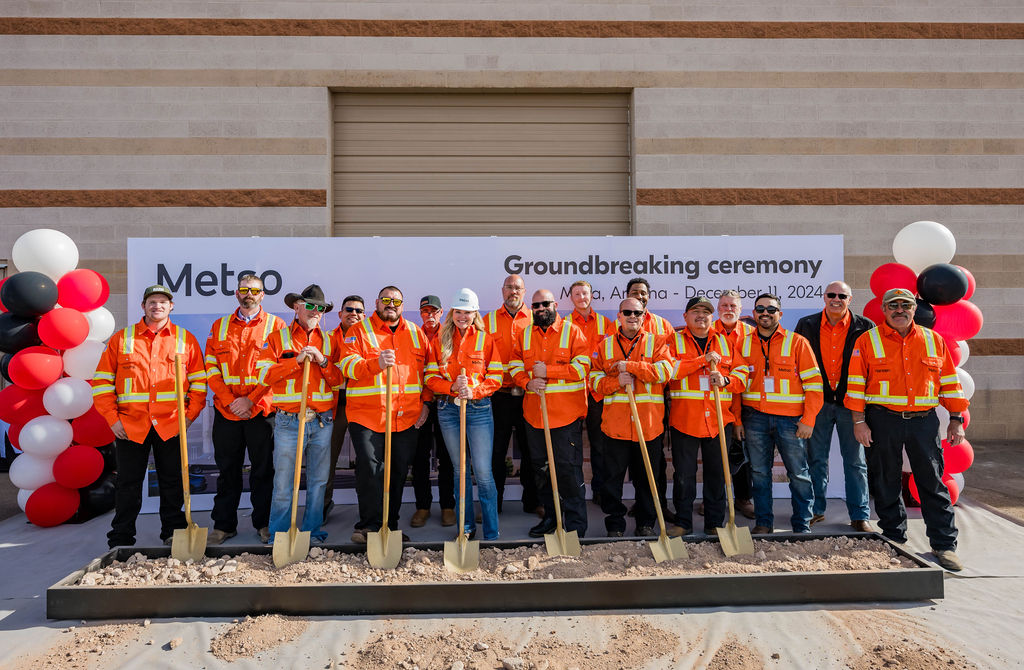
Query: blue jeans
x=855 y=467
x=316 y=451
x=765 y=432
x=480 y=445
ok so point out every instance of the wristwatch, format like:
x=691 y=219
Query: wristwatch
x=956 y=417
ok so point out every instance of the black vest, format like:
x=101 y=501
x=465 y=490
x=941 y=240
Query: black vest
x=810 y=327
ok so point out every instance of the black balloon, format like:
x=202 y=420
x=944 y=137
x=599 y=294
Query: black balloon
x=941 y=284
x=29 y=294
x=924 y=315
x=5 y=362
x=17 y=332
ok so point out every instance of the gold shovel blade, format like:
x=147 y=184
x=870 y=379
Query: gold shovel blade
x=562 y=543
x=290 y=546
x=667 y=548
x=384 y=548
x=189 y=543
x=462 y=555
x=735 y=540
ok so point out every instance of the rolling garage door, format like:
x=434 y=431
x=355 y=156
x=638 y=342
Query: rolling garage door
x=421 y=164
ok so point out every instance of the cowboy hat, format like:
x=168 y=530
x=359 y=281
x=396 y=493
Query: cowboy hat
x=312 y=294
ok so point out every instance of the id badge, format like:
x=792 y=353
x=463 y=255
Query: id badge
x=769 y=384
x=705 y=382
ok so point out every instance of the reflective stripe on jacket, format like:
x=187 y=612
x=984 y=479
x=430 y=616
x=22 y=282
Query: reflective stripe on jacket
x=475 y=351
x=905 y=374
x=284 y=375
x=233 y=349
x=134 y=380
x=563 y=350
x=651 y=366
x=506 y=331
x=797 y=381
x=692 y=411
x=595 y=328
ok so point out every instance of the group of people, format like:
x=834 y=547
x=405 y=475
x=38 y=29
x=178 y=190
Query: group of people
x=523 y=368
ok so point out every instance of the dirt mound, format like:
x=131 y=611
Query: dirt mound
x=246 y=638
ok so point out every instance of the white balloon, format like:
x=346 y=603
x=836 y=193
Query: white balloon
x=965 y=351
x=966 y=382
x=943 y=415
x=44 y=250
x=23 y=495
x=30 y=472
x=959 y=479
x=68 y=398
x=923 y=243
x=101 y=324
x=45 y=436
x=81 y=361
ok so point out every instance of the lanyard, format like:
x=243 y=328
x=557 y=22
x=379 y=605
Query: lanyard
x=766 y=353
x=635 y=341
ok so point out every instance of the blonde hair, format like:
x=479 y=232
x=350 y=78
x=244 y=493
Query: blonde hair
x=448 y=334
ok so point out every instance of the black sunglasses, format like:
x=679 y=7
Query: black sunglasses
x=357 y=310
x=631 y=312
x=771 y=309
x=841 y=296
x=319 y=308
x=543 y=303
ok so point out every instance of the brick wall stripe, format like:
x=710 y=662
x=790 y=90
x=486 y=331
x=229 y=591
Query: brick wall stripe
x=828 y=196
x=256 y=197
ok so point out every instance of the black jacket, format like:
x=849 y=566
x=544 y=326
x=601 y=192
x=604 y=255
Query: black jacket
x=810 y=327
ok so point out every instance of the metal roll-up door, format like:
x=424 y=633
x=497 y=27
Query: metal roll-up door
x=420 y=164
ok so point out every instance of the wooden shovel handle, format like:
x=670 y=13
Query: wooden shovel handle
x=299 y=444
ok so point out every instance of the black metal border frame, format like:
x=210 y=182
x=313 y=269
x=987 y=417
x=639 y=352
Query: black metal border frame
x=65 y=600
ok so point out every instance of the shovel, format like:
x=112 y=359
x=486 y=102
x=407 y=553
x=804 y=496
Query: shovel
x=293 y=546
x=384 y=548
x=665 y=548
x=559 y=543
x=186 y=543
x=734 y=540
x=462 y=554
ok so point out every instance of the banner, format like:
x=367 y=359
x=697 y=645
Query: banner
x=202 y=273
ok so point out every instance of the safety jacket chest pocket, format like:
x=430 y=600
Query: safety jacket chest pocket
x=127 y=362
x=562 y=357
x=933 y=363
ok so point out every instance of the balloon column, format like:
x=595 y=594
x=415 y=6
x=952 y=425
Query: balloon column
x=923 y=251
x=52 y=328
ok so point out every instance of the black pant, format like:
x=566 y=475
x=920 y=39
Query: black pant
x=622 y=456
x=567 y=447
x=684 y=479
x=596 y=438
x=337 y=442
x=231 y=439
x=742 y=486
x=431 y=440
x=890 y=435
x=508 y=423
x=369 y=448
x=132 y=462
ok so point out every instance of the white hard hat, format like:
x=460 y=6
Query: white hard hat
x=466 y=300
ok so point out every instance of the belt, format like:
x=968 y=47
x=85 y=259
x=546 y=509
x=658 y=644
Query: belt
x=310 y=413
x=454 y=399
x=906 y=415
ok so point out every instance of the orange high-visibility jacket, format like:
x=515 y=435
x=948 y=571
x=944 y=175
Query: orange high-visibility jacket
x=563 y=350
x=798 y=385
x=735 y=337
x=506 y=331
x=906 y=374
x=692 y=410
x=366 y=389
x=476 y=352
x=233 y=348
x=134 y=380
x=284 y=375
x=595 y=328
x=651 y=366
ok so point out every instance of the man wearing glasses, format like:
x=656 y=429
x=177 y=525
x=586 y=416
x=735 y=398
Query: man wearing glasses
x=780 y=404
x=385 y=340
x=281 y=366
x=242 y=411
x=552 y=357
x=351 y=313
x=506 y=325
x=899 y=373
x=832 y=333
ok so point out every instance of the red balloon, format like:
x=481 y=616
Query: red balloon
x=967 y=417
x=18 y=405
x=13 y=432
x=960 y=321
x=51 y=505
x=91 y=429
x=956 y=458
x=35 y=367
x=972 y=283
x=78 y=466
x=82 y=289
x=892 y=275
x=954 y=351
x=873 y=310
x=954 y=489
x=912 y=485
x=63 y=328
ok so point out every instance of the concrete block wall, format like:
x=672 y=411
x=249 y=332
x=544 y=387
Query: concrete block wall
x=197 y=118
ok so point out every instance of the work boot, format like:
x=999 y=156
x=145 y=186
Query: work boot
x=419 y=518
x=861 y=526
x=745 y=507
x=264 y=534
x=358 y=536
x=615 y=533
x=448 y=517
x=762 y=530
x=677 y=531
x=817 y=518
x=543 y=528
x=645 y=531
x=217 y=536
x=948 y=559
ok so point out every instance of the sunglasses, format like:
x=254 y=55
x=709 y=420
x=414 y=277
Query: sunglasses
x=316 y=308
x=631 y=312
x=244 y=290
x=357 y=310
x=388 y=302
x=899 y=304
x=841 y=296
x=771 y=309
x=514 y=289
x=543 y=303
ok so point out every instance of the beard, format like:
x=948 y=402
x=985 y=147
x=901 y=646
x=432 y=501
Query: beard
x=544 y=319
x=388 y=316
